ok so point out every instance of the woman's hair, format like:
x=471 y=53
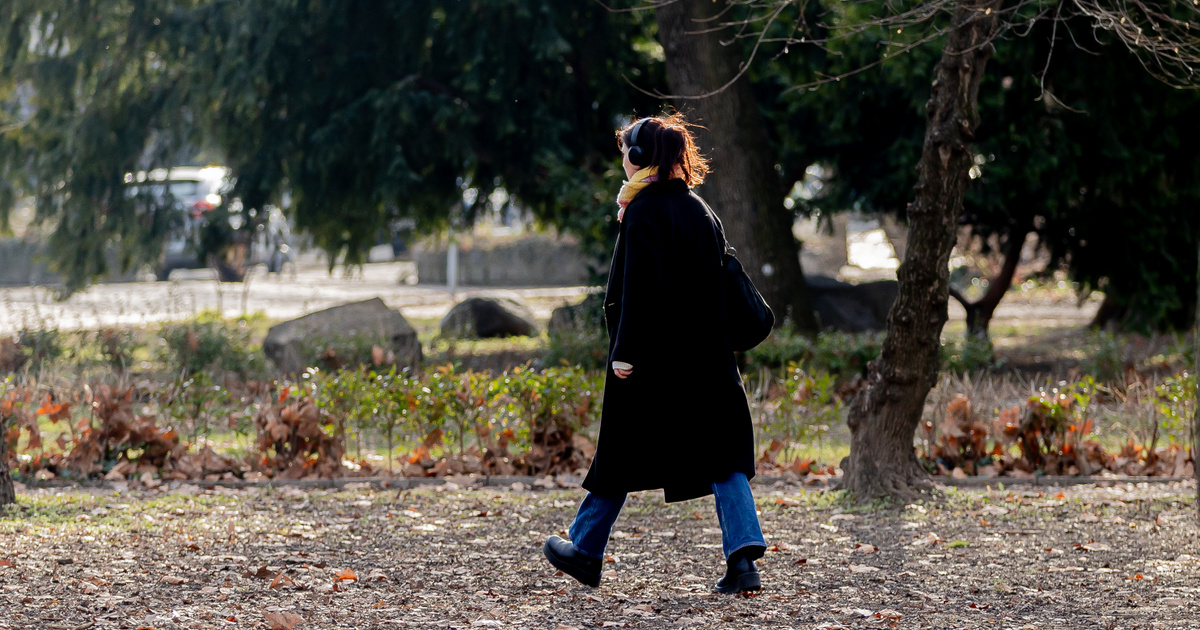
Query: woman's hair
x=669 y=142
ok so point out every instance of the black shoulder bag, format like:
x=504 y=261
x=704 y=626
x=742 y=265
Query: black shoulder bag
x=748 y=318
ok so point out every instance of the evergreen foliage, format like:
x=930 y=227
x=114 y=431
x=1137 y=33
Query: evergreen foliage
x=359 y=113
x=1103 y=166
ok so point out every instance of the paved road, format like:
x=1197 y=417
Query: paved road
x=279 y=296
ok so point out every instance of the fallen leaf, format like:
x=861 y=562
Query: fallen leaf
x=263 y=573
x=862 y=568
x=860 y=548
x=345 y=575
x=283 y=621
x=281 y=581
x=377 y=575
x=928 y=540
x=5 y=563
x=173 y=579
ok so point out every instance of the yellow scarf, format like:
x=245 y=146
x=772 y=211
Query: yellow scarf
x=631 y=188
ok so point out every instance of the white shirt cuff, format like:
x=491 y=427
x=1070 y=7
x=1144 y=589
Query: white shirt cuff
x=621 y=365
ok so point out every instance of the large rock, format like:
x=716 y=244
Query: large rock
x=848 y=307
x=478 y=318
x=370 y=320
x=587 y=314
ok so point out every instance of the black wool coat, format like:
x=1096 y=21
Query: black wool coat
x=680 y=421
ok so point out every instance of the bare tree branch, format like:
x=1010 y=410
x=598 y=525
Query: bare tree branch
x=745 y=65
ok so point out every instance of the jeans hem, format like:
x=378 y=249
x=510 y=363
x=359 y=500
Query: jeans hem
x=584 y=553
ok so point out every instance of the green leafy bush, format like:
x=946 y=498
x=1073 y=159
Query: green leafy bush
x=840 y=354
x=41 y=345
x=794 y=407
x=969 y=355
x=1104 y=357
x=578 y=345
x=117 y=347
x=1176 y=406
x=211 y=343
x=452 y=421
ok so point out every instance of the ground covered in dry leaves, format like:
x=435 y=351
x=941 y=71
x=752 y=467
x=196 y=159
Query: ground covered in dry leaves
x=459 y=557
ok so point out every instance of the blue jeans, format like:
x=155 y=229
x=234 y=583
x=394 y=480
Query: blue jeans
x=735 y=511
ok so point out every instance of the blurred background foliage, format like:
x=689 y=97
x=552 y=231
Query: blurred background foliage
x=360 y=114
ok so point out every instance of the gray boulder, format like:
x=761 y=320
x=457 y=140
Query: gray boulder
x=479 y=318
x=287 y=344
x=848 y=307
x=587 y=314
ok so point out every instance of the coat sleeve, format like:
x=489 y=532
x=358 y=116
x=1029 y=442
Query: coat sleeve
x=641 y=290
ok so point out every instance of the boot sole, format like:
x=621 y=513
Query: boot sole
x=745 y=582
x=583 y=577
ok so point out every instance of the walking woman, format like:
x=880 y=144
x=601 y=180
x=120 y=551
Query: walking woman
x=675 y=413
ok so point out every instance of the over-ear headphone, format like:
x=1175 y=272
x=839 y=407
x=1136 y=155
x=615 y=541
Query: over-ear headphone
x=637 y=155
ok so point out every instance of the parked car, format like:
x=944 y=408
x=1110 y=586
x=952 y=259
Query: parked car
x=202 y=218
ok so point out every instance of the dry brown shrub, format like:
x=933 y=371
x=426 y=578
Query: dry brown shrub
x=294 y=443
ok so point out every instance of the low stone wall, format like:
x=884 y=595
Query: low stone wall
x=22 y=264
x=532 y=261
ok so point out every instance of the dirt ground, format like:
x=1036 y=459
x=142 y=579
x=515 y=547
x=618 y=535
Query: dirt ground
x=1120 y=557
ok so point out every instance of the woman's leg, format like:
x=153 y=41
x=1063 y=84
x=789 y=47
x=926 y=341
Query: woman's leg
x=738 y=516
x=593 y=523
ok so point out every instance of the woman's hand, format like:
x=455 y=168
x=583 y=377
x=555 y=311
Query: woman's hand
x=622 y=369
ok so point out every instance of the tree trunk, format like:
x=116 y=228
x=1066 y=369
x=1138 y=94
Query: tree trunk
x=980 y=313
x=1196 y=368
x=744 y=187
x=883 y=417
x=7 y=494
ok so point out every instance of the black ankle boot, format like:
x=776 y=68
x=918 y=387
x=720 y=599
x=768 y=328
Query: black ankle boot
x=740 y=573
x=566 y=558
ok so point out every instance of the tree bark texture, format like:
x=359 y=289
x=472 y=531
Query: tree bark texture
x=980 y=312
x=7 y=494
x=883 y=417
x=744 y=187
